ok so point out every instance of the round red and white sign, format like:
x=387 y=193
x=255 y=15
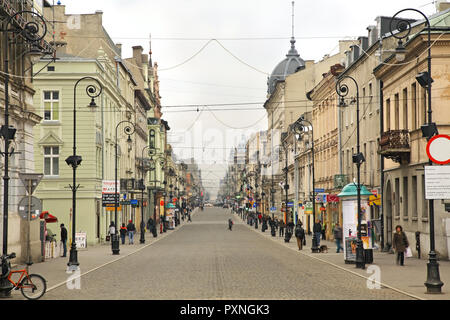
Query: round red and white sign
x=438 y=149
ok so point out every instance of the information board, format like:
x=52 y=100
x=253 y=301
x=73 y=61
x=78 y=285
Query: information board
x=437 y=182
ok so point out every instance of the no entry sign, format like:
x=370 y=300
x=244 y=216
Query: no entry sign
x=438 y=149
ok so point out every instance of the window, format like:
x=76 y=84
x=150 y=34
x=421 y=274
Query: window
x=424 y=201
x=388 y=115
x=51 y=161
x=413 y=107
x=397 y=112
x=51 y=105
x=414 y=196
x=405 y=109
x=152 y=139
x=405 y=197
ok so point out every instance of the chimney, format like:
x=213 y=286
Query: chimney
x=119 y=46
x=442 y=5
x=355 y=52
x=60 y=46
x=137 y=54
x=363 y=44
x=372 y=35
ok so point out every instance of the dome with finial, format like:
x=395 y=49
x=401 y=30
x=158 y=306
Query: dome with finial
x=291 y=64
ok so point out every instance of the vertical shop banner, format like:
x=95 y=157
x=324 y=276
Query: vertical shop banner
x=108 y=189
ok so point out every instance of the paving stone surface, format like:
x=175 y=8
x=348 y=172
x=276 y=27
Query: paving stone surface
x=204 y=260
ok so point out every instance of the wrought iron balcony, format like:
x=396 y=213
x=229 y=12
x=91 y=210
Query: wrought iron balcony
x=394 y=145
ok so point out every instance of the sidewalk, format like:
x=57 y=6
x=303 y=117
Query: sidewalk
x=408 y=279
x=91 y=259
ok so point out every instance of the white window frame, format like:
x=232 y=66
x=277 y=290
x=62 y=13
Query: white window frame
x=51 y=104
x=51 y=156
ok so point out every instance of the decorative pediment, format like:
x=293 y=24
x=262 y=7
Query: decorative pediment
x=50 y=139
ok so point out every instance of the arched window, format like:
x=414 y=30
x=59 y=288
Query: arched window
x=152 y=139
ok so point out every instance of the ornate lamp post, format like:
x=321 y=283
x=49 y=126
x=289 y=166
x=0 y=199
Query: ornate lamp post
x=32 y=32
x=128 y=130
x=299 y=127
x=358 y=159
x=433 y=282
x=142 y=186
x=75 y=160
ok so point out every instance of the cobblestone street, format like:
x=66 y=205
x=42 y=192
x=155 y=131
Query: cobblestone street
x=204 y=260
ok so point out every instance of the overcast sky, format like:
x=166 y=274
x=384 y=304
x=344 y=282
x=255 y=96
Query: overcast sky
x=214 y=76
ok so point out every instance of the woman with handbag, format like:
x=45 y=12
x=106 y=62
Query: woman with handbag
x=400 y=244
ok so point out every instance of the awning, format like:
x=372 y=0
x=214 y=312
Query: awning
x=48 y=217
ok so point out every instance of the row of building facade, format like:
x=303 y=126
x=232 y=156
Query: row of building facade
x=126 y=114
x=392 y=109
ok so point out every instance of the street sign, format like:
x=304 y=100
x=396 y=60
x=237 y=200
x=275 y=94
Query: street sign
x=273 y=209
x=290 y=204
x=134 y=201
x=81 y=240
x=36 y=208
x=438 y=149
x=437 y=182
x=35 y=179
x=319 y=190
x=108 y=197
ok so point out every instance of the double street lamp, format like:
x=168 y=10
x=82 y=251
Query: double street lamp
x=403 y=28
x=358 y=158
x=298 y=128
x=142 y=187
x=75 y=160
x=128 y=130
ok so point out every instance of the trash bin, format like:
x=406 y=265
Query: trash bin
x=368 y=256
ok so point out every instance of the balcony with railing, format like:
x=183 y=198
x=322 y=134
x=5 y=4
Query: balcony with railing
x=394 y=145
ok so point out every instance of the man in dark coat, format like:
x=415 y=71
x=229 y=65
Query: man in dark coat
x=317 y=230
x=337 y=232
x=299 y=234
x=64 y=238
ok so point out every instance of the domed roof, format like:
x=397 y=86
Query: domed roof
x=289 y=65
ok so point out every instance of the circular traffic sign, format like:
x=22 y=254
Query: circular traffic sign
x=438 y=149
x=35 y=210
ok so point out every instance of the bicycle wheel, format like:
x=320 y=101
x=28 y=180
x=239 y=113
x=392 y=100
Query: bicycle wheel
x=33 y=287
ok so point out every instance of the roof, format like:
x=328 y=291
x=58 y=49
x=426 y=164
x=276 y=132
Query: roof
x=289 y=65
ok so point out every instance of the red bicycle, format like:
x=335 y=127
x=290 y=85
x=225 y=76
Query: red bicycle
x=32 y=286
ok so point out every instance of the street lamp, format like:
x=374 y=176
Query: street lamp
x=75 y=160
x=358 y=159
x=433 y=282
x=142 y=239
x=286 y=171
x=129 y=130
x=300 y=128
x=32 y=34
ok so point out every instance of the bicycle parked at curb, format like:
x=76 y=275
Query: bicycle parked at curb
x=32 y=286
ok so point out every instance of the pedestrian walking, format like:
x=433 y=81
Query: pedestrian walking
x=338 y=235
x=289 y=231
x=230 y=224
x=282 y=225
x=189 y=217
x=112 y=229
x=64 y=239
x=324 y=231
x=400 y=243
x=317 y=230
x=123 y=232
x=300 y=235
x=131 y=229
